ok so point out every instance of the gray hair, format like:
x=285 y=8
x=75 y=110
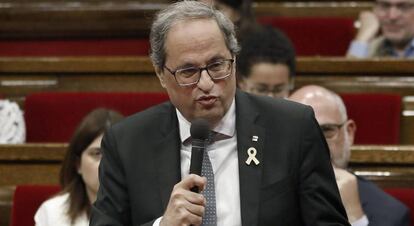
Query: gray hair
x=180 y=11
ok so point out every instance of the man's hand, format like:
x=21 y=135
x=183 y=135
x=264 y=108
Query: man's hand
x=348 y=188
x=185 y=207
x=369 y=27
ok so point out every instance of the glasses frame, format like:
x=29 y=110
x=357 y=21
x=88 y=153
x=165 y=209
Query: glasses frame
x=200 y=70
x=336 y=126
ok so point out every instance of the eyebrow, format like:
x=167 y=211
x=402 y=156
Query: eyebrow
x=210 y=61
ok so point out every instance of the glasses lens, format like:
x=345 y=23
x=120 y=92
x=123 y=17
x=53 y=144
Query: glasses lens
x=329 y=131
x=186 y=76
x=219 y=69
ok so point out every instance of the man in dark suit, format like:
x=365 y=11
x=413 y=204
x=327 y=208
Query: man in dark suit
x=267 y=164
x=365 y=203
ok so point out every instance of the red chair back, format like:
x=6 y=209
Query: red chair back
x=326 y=36
x=26 y=201
x=53 y=117
x=377 y=117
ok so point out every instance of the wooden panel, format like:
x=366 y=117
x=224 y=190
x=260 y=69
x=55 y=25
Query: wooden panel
x=6 y=197
x=312 y=8
x=126 y=19
x=387 y=166
x=30 y=163
x=43 y=161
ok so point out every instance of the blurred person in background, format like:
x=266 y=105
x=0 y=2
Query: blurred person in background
x=240 y=12
x=12 y=126
x=266 y=63
x=79 y=173
x=365 y=203
x=387 y=31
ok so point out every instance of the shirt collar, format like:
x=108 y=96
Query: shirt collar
x=389 y=50
x=226 y=126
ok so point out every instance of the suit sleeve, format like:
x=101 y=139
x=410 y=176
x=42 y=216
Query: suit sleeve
x=112 y=207
x=320 y=201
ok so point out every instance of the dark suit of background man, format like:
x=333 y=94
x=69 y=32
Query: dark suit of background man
x=365 y=203
x=143 y=174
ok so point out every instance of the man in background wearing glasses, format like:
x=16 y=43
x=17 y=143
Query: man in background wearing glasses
x=267 y=163
x=365 y=203
x=387 y=31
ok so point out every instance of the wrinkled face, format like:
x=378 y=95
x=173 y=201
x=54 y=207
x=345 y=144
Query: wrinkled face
x=89 y=164
x=336 y=131
x=198 y=43
x=267 y=79
x=397 y=20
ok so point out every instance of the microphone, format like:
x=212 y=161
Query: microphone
x=199 y=131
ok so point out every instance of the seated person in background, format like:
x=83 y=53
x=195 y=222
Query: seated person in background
x=365 y=203
x=266 y=63
x=79 y=173
x=395 y=19
x=240 y=12
x=12 y=126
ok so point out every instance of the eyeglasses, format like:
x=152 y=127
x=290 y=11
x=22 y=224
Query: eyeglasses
x=330 y=131
x=383 y=6
x=191 y=75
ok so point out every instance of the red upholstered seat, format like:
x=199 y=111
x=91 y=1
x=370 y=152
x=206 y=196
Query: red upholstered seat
x=73 y=47
x=26 y=200
x=377 y=117
x=406 y=196
x=326 y=36
x=53 y=117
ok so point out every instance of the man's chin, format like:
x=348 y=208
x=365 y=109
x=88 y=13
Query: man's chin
x=211 y=115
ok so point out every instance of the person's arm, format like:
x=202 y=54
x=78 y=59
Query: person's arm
x=368 y=29
x=319 y=197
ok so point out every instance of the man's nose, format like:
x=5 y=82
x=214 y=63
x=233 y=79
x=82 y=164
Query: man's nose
x=206 y=82
x=394 y=12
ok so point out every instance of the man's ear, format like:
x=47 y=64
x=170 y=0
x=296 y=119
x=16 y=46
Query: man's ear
x=351 y=129
x=160 y=75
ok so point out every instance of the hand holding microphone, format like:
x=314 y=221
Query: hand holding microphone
x=186 y=206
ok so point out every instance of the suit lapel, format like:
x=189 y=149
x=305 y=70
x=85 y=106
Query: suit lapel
x=249 y=175
x=168 y=156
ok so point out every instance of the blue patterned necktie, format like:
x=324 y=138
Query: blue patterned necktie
x=210 y=215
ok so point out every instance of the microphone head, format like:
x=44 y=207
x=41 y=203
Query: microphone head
x=199 y=129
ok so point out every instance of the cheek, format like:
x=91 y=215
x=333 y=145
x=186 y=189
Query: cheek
x=89 y=170
x=334 y=147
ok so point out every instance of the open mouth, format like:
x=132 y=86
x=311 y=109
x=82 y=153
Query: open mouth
x=207 y=100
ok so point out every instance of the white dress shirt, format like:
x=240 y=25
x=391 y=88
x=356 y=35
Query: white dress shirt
x=223 y=157
x=53 y=212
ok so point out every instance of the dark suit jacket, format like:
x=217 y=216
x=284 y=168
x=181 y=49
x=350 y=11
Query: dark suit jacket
x=381 y=208
x=293 y=184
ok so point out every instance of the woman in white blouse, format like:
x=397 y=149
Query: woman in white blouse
x=79 y=174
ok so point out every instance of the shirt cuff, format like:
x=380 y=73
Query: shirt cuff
x=358 y=49
x=363 y=221
x=157 y=222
